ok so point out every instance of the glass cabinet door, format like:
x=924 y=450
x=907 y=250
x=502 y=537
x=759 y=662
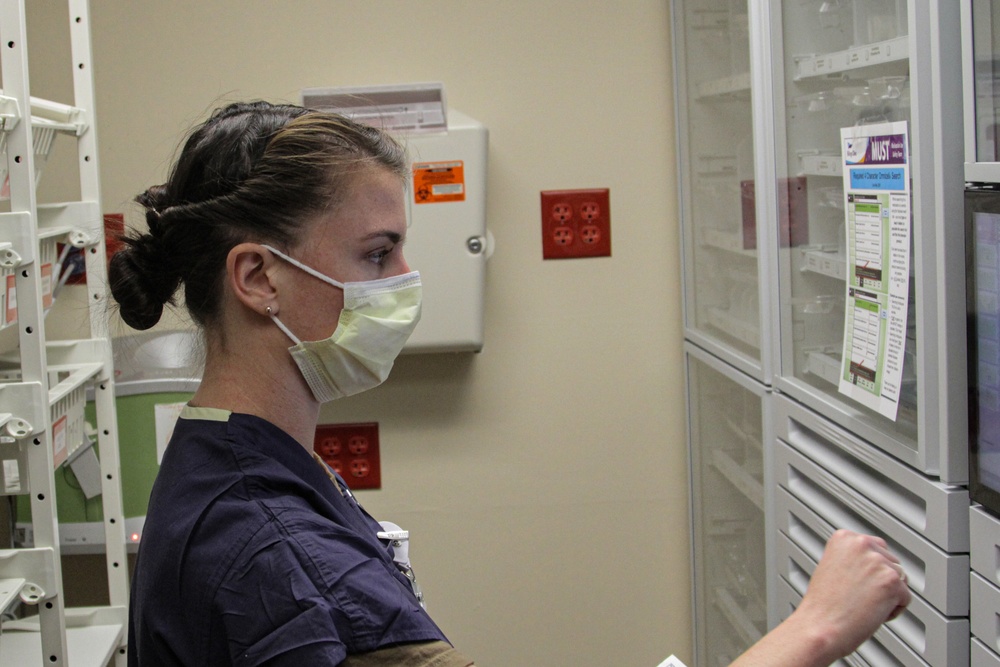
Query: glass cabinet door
x=726 y=435
x=854 y=64
x=716 y=145
x=984 y=25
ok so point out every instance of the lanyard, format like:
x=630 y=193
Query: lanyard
x=392 y=535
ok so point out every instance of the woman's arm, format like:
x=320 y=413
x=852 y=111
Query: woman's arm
x=857 y=586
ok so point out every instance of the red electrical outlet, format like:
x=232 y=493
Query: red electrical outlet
x=576 y=223
x=351 y=450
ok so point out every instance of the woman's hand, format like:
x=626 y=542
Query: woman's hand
x=857 y=586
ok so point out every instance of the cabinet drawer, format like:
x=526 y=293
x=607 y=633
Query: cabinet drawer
x=884 y=648
x=941 y=578
x=934 y=510
x=982 y=656
x=985 y=549
x=939 y=640
x=984 y=615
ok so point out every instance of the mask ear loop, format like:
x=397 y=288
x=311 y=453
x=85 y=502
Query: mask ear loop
x=286 y=330
x=274 y=318
x=308 y=269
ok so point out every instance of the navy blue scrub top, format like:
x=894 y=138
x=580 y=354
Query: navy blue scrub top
x=251 y=555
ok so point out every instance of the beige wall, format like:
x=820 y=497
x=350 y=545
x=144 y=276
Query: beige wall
x=543 y=480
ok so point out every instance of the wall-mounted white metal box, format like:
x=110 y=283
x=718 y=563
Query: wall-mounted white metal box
x=447 y=240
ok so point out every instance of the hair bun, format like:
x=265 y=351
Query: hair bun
x=141 y=281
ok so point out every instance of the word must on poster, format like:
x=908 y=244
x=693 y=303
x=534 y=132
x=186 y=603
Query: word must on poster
x=877 y=208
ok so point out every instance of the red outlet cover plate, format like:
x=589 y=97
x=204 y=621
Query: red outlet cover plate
x=352 y=450
x=576 y=223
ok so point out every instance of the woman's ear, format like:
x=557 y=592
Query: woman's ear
x=250 y=270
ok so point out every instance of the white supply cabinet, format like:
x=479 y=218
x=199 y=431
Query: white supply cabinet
x=729 y=500
x=763 y=91
x=984 y=615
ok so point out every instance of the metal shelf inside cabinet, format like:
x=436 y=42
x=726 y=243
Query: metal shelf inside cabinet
x=737 y=85
x=879 y=53
x=725 y=240
x=754 y=604
x=737 y=616
x=713 y=167
x=709 y=19
x=739 y=477
x=825 y=262
x=825 y=365
x=817 y=163
x=93 y=635
x=832 y=264
x=743 y=331
x=747 y=434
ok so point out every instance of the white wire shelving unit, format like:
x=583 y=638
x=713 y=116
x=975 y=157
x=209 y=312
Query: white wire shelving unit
x=44 y=383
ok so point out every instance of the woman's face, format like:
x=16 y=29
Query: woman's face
x=362 y=239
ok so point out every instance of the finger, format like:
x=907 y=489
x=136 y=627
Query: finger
x=884 y=551
x=904 y=600
x=879 y=542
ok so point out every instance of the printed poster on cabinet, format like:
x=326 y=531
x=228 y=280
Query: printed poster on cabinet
x=877 y=210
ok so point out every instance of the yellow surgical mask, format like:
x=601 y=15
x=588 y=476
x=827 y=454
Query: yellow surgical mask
x=376 y=321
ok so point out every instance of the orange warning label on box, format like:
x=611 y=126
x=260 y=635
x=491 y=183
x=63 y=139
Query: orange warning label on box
x=436 y=182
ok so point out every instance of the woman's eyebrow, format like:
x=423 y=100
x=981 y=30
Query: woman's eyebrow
x=394 y=237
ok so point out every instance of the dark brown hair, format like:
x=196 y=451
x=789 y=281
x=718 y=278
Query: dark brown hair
x=253 y=171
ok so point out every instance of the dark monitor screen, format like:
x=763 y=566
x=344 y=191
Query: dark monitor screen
x=983 y=306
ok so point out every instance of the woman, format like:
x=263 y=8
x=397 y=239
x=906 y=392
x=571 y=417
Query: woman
x=286 y=225
x=279 y=223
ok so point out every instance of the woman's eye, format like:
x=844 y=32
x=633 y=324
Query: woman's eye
x=379 y=255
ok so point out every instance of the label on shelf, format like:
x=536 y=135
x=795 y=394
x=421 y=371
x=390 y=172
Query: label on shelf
x=11 y=477
x=827 y=263
x=814 y=65
x=821 y=165
x=46 y=275
x=59 y=441
x=730 y=85
x=10 y=311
